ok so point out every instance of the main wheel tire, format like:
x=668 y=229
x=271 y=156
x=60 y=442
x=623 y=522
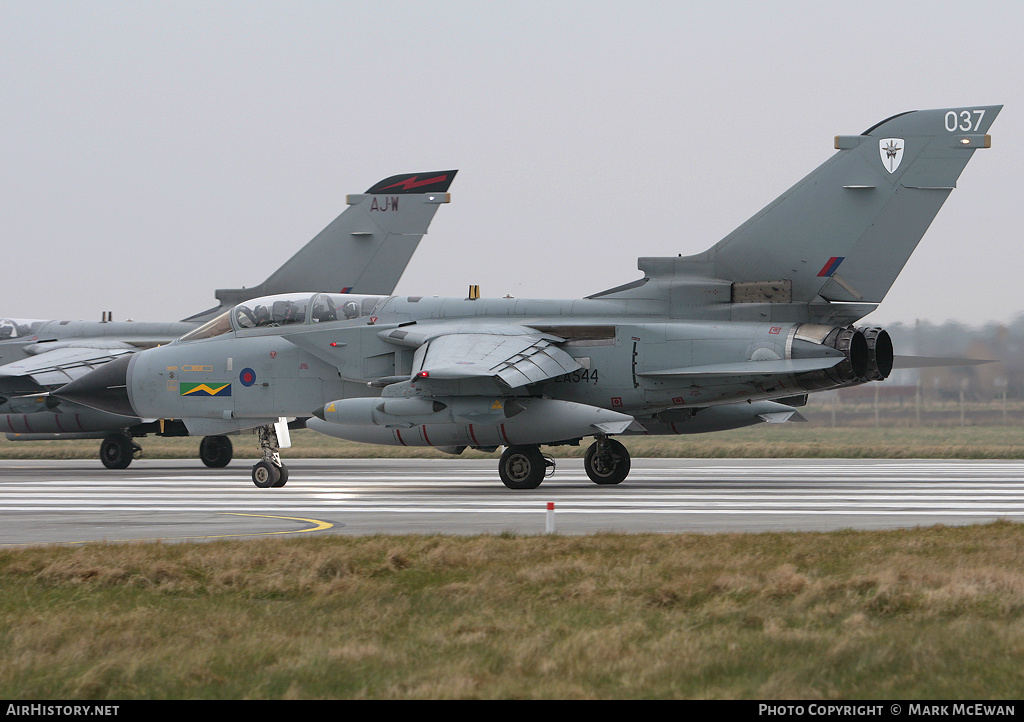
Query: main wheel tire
x=611 y=467
x=265 y=475
x=216 y=451
x=283 y=478
x=116 y=451
x=522 y=467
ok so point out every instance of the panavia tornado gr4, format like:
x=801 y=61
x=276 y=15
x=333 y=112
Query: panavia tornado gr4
x=737 y=335
x=364 y=250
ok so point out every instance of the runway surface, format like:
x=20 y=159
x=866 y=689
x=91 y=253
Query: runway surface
x=44 y=502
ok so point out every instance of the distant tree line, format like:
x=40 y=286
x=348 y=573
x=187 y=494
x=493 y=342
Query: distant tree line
x=1002 y=343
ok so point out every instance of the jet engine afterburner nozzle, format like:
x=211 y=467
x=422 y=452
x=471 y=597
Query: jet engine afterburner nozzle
x=854 y=346
x=864 y=357
x=880 y=353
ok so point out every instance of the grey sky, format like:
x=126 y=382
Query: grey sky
x=152 y=152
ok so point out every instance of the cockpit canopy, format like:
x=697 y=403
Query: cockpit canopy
x=288 y=309
x=270 y=311
x=18 y=327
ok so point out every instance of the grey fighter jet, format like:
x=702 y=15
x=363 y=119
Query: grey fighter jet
x=364 y=250
x=737 y=335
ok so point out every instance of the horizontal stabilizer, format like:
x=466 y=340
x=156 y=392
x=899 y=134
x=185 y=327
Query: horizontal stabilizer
x=714 y=418
x=772 y=368
x=924 y=362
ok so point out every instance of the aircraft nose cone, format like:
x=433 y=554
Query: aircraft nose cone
x=105 y=389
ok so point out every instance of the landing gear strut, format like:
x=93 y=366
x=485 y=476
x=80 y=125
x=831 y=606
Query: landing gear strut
x=269 y=472
x=118 y=450
x=524 y=467
x=606 y=461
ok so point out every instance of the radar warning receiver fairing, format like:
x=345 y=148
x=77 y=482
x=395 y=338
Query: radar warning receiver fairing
x=737 y=335
x=364 y=250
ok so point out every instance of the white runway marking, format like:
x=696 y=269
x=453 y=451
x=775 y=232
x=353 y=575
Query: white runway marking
x=466 y=497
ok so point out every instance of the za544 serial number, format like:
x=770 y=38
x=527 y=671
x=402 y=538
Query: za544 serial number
x=578 y=376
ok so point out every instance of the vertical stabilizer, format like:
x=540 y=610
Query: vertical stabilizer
x=364 y=250
x=843 y=233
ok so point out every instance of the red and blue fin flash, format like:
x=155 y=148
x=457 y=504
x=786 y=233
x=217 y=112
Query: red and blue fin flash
x=831 y=267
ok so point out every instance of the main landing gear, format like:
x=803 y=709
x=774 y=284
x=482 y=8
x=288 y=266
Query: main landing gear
x=216 y=451
x=269 y=472
x=525 y=467
x=606 y=461
x=118 y=450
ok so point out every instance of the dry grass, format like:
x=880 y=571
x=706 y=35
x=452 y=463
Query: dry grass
x=924 y=613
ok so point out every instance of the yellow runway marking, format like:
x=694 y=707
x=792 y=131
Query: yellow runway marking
x=317 y=526
x=320 y=525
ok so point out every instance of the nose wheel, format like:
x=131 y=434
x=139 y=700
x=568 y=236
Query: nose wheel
x=267 y=476
x=269 y=472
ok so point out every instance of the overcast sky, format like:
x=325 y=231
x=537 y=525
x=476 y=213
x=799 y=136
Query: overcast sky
x=151 y=152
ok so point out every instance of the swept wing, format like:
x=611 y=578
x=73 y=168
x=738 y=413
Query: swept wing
x=63 y=365
x=514 y=356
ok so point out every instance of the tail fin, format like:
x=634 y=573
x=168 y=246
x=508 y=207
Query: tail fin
x=844 y=233
x=364 y=250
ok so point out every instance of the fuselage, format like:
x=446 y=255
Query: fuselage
x=632 y=359
x=39 y=355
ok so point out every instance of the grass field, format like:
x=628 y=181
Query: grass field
x=934 y=613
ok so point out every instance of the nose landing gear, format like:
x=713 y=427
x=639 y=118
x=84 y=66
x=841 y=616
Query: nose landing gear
x=269 y=472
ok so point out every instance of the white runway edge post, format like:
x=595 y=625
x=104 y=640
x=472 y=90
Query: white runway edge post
x=549 y=527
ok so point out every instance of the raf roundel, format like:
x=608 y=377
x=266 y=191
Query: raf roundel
x=247 y=377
